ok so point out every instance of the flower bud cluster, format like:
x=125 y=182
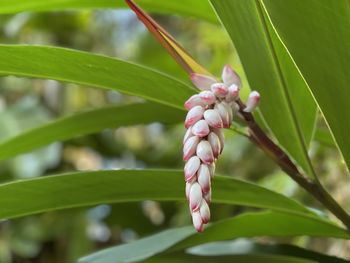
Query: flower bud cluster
x=208 y=113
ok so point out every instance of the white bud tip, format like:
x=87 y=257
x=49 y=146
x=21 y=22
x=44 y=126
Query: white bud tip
x=212 y=117
x=205 y=152
x=197 y=221
x=229 y=76
x=195 y=197
x=202 y=82
x=191 y=168
x=200 y=128
x=219 y=89
x=252 y=102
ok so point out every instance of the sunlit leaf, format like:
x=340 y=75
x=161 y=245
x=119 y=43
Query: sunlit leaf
x=88 y=122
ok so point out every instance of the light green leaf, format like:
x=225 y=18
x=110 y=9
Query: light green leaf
x=245 y=225
x=245 y=246
x=89 y=122
x=316 y=34
x=90 y=188
x=286 y=103
x=93 y=70
x=195 y=8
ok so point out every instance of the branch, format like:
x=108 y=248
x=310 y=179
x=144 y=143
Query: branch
x=259 y=137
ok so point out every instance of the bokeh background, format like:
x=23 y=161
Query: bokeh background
x=63 y=236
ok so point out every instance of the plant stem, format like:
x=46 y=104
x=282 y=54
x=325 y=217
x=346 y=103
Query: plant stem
x=314 y=187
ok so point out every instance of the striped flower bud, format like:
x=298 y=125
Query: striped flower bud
x=205 y=152
x=200 y=128
x=207 y=96
x=204 y=212
x=252 y=102
x=215 y=144
x=208 y=112
x=190 y=147
x=201 y=81
x=194 y=115
x=212 y=117
x=195 y=196
x=194 y=100
x=229 y=76
x=191 y=168
x=219 y=89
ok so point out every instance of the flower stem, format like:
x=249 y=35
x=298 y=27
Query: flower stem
x=314 y=187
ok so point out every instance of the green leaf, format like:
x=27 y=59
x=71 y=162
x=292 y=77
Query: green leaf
x=286 y=102
x=245 y=246
x=316 y=34
x=245 y=225
x=93 y=70
x=195 y=8
x=91 y=188
x=89 y=122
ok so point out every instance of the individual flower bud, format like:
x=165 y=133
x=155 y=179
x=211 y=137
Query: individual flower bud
x=197 y=221
x=195 y=196
x=194 y=100
x=188 y=188
x=188 y=135
x=203 y=82
x=235 y=108
x=207 y=96
x=219 y=89
x=203 y=178
x=191 y=168
x=215 y=144
x=190 y=147
x=211 y=169
x=194 y=115
x=207 y=197
x=229 y=76
x=221 y=136
x=205 y=212
x=204 y=152
x=200 y=128
x=223 y=110
x=233 y=93
x=252 y=102
x=212 y=117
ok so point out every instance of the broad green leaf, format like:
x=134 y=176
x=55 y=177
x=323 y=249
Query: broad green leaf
x=90 y=188
x=316 y=34
x=241 y=258
x=245 y=246
x=245 y=225
x=195 y=8
x=93 y=70
x=89 y=122
x=286 y=102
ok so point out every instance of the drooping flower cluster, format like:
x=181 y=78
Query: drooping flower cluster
x=208 y=112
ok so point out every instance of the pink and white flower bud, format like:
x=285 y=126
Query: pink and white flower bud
x=211 y=169
x=194 y=100
x=207 y=197
x=229 y=76
x=200 y=128
x=221 y=136
x=215 y=144
x=188 y=134
x=195 y=196
x=233 y=93
x=190 y=147
x=212 y=117
x=203 y=178
x=207 y=96
x=188 y=188
x=203 y=82
x=204 y=152
x=225 y=112
x=191 y=168
x=205 y=212
x=194 y=115
x=197 y=221
x=219 y=89
x=252 y=102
